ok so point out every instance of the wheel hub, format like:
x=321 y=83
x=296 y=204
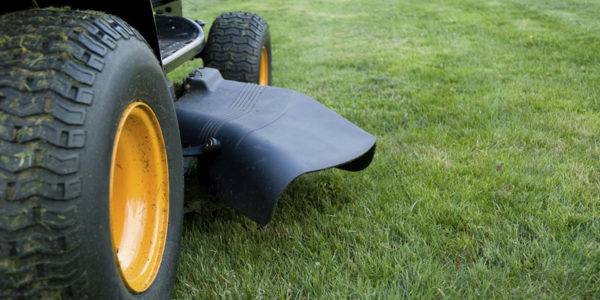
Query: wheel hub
x=264 y=67
x=139 y=196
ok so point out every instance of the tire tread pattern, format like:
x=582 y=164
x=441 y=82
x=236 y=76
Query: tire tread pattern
x=49 y=60
x=234 y=45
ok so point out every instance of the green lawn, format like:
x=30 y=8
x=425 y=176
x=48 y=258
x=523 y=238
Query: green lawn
x=486 y=181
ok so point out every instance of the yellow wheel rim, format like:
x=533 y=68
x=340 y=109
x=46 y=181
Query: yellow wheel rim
x=139 y=196
x=264 y=67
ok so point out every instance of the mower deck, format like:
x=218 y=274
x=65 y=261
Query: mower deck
x=258 y=139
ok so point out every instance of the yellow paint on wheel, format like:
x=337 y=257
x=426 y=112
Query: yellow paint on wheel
x=139 y=196
x=264 y=67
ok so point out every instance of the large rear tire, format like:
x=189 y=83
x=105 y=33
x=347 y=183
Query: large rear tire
x=91 y=172
x=239 y=46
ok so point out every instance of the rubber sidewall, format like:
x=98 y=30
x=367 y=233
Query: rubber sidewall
x=131 y=74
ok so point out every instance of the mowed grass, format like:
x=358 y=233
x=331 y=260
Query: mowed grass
x=486 y=181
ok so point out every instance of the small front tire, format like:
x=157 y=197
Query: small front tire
x=239 y=46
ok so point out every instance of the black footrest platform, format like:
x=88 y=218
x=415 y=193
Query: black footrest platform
x=179 y=39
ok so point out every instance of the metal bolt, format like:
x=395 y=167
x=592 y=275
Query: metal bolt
x=212 y=145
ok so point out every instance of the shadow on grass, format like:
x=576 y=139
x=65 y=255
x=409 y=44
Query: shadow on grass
x=310 y=194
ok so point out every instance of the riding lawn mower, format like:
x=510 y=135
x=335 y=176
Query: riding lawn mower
x=96 y=141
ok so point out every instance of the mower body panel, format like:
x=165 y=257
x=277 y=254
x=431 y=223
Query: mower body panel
x=268 y=136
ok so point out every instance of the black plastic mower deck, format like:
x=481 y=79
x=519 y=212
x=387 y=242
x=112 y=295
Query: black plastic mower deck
x=266 y=137
x=180 y=39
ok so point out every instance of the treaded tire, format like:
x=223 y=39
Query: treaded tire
x=235 y=44
x=65 y=79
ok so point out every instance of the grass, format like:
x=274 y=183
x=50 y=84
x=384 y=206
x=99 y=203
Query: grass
x=486 y=181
